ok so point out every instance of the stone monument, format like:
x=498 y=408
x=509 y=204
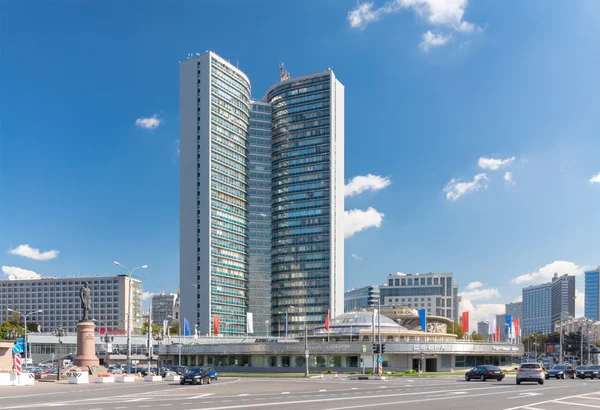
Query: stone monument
x=86 y=340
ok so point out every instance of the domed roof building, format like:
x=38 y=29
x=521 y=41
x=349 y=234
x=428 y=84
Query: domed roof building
x=355 y=323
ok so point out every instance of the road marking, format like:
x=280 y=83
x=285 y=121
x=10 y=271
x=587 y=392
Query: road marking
x=354 y=388
x=534 y=405
x=200 y=396
x=575 y=404
x=146 y=405
x=590 y=398
x=323 y=390
x=166 y=405
x=523 y=395
x=243 y=394
x=285 y=392
x=138 y=399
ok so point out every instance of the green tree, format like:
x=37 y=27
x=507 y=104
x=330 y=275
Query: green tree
x=476 y=336
x=156 y=329
x=456 y=329
x=174 y=329
x=6 y=329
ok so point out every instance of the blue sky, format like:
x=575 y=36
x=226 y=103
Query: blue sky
x=431 y=88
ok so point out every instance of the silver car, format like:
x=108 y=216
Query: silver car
x=530 y=372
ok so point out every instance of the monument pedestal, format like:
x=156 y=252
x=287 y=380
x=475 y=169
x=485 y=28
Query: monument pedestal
x=86 y=345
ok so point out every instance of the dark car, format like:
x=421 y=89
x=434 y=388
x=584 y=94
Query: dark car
x=580 y=372
x=560 y=371
x=195 y=375
x=485 y=372
x=592 y=372
x=212 y=372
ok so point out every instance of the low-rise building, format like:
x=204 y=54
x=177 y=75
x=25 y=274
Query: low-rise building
x=361 y=298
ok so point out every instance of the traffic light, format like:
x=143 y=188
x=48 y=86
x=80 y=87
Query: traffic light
x=382 y=348
x=375 y=348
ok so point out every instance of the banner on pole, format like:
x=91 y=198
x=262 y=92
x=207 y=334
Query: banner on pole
x=216 y=325
x=492 y=324
x=465 y=322
x=423 y=319
x=249 y=323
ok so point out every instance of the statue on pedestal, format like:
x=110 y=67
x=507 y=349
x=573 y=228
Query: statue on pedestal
x=86 y=302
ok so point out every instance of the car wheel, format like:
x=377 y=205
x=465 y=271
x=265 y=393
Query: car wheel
x=216 y=378
x=200 y=382
x=500 y=379
x=518 y=381
x=467 y=378
x=563 y=377
x=181 y=382
x=208 y=380
x=541 y=381
x=482 y=378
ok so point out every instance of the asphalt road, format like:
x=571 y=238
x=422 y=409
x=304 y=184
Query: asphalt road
x=328 y=393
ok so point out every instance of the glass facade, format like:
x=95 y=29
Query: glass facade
x=259 y=201
x=592 y=289
x=361 y=298
x=229 y=121
x=300 y=133
x=543 y=305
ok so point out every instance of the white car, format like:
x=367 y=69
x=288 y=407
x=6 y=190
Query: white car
x=530 y=372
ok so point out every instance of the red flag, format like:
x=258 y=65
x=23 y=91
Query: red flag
x=327 y=320
x=216 y=325
x=516 y=324
x=101 y=331
x=497 y=335
x=465 y=322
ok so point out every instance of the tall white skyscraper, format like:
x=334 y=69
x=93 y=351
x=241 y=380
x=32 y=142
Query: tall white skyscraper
x=261 y=199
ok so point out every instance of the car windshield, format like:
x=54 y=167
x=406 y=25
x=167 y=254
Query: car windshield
x=559 y=367
x=194 y=370
x=491 y=368
x=530 y=366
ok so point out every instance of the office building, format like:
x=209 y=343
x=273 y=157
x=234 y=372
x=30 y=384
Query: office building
x=503 y=329
x=59 y=300
x=163 y=307
x=434 y=292
x=483 y=328
x=592 y=293
x=259 y=215
x=367 y=297
x=515 y=309
x=252 y=171
x=548 y=303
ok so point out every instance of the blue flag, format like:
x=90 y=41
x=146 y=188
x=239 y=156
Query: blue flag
x=186 y=327
x=508 y=327
x=423 y=319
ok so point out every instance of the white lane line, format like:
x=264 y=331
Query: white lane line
x=199 y=396
x=285 y=392
x=534 y=405
x=243 y=394
x=590 y=398
x=138 y=399
x=146 y=405
x=575 y=404
x=323 y=390
x=166 y=405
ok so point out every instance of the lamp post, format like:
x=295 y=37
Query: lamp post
x=279 y=324
x=129 y=303
x=178 y=321
x=267 y=322
x=58 y=332
x=27 y=353
x=306 y=354
x=159 y=338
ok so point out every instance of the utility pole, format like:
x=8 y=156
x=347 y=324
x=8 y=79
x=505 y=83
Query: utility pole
x=560 y=358
x=149 y=338
x=379 y=331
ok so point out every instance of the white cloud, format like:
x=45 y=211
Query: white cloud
x=33 y=253
x=595 y=179
x=436 y=12
x=508 y=178
x=579 y=303
x=545 y=273
x=357 y=220
x=431 y=40
x=494 y=164
x=363 y=183
x=479 y=312
x=356 y=257
x=147 y=295
x=474 y=285
x=480 y=294
x=455 y=188
x=519 y=299
x=19 y=273
x=149 y=123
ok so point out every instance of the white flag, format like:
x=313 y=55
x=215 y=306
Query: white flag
x=249 y=323
x=165 y=326
x=492 y=324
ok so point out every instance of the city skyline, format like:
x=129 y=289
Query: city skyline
x=470 y=147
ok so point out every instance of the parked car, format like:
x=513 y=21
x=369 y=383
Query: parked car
x=530 y=372
x=592 y=372
x=560 y=371
x=484 y=372
x=173 y=370
x=195 y=375
x=580 y=372
x=212 y=372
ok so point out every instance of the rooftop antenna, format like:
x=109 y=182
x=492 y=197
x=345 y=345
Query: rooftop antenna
x=283 y=73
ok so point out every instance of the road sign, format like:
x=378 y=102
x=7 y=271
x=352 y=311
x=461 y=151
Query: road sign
x=380 y=360
x=364 y=348
x=17 y=349
x=306 y=352
x=21 y=342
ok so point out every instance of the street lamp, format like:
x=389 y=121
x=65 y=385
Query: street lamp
x=279 y=324
x=267 y=326
x=178 y=321
x=58 y=332
x=129 y=303
x=27 y=354
x=306 y=355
